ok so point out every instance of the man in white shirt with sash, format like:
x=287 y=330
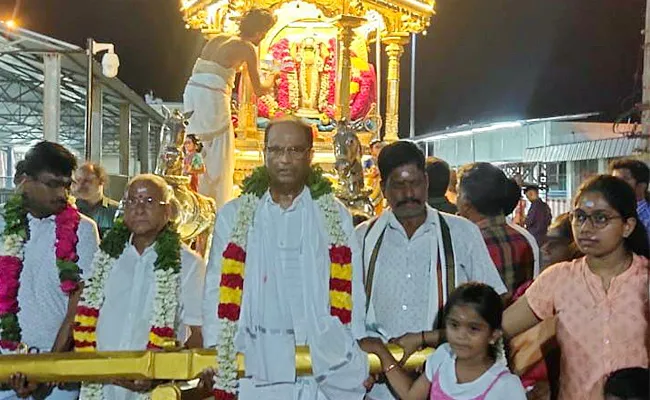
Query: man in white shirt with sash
x=414 y=256
x=302 y=283
x=40 y=289
x=146 y=289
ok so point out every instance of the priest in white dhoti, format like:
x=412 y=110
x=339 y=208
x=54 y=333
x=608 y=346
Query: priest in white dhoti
x=145 y=292
x=284 y=271
x=46 y=249
x=208 y=94
x=414 y=256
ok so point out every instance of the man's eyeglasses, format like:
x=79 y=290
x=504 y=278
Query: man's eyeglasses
x=148 y=202
x=295 y=152
x=599 y=219
x=56 y=183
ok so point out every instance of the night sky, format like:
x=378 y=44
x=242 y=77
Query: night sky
x=482 y=60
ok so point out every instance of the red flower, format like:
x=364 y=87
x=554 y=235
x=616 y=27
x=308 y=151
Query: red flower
x=66 y=249
x=223 y=395
x=78 y=328
x=151 y=346
x=163 y=331
x=232 y=281
x=345 y=316
x=8 y=288
x=68 y=286
x=340 y=285
x=9 y=306
x=229 y=312
x=235 y=252
x=340 y=254
x=10 y=267
x=68 y=217
x=87 y=311
x=9 y=344
x=82 y=343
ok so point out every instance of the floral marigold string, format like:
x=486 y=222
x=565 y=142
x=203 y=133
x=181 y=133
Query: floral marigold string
x=167 y=275
x=234 y=265
x=14 y=236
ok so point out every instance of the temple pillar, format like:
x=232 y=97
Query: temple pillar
x=394 y=49
x=346 y=24
x=247 y=114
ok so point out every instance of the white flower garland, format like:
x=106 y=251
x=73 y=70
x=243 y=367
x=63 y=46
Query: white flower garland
x=226 y=377
x=14 y=246
x=165 y=306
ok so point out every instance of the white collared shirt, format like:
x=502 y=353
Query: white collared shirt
x=403 y=296
x=125 y=317
x=43 y=305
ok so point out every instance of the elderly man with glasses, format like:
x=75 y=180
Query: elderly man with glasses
x=302 y=283
x=146 y=289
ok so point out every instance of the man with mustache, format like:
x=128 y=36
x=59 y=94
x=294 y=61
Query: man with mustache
x=38 y=314
x=412 y=254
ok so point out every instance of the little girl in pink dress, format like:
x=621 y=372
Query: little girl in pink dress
x=471 y=365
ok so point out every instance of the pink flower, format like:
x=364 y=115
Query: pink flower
x=9 y=288
x=9 y=306
x=9 y=344
x=68 y=287
x=66 y=249
x=69 y=216
x=10 y=267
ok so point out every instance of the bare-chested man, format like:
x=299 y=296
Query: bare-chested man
x=208 y=95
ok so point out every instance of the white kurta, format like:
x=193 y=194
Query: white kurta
x=405 y=290
x=286 y=303
x=43 y=305
x=125 y=317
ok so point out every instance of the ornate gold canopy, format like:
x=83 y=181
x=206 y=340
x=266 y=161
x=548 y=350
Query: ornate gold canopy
x=399 y=16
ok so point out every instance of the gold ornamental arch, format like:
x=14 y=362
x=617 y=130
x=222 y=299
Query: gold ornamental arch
x=394 y=19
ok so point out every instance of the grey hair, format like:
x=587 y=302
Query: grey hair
x=167 y=190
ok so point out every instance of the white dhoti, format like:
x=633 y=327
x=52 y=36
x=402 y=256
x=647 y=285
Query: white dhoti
x=208 y=94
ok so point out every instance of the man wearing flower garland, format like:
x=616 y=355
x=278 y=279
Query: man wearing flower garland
x=146 y=287
x=283 y=272
x=46 y=249
x=414 y=255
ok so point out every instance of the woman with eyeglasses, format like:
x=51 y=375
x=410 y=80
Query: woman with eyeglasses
x=601 y=299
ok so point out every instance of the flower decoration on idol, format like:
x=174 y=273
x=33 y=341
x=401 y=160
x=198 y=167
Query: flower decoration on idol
x=14 y=236
x=365 y=96
x=233 y=269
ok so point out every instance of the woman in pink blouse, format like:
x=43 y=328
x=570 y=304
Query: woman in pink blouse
x=601 y=299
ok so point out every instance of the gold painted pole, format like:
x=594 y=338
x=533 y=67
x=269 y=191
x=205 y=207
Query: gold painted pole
x=394 y=49
x=247 y=114
x=179 y=366
x=346 y=24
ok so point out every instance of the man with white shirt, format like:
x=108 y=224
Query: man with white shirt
x=414 y=256
x=302 y=286
x=152 y=276
x=47 y=293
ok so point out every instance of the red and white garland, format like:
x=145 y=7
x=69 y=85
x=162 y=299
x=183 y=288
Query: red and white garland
x=232 y=284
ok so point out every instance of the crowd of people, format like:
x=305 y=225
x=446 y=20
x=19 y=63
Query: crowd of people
x=287 y=267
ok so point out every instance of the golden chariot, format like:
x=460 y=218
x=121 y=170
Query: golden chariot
x=322 y=50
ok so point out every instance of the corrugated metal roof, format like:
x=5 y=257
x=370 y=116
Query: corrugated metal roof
x=591 y=150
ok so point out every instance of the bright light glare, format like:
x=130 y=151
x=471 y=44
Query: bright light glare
x=11 y=24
